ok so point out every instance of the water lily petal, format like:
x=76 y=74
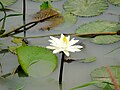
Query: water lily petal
x=66 y=53
x=51 y=41
x=61 y=38
x=50 y=47
x=54 y=39
x=57 y=51
x=73 y=50
x=72 y=42
x=76 y=46
x=64 y=44
x=68 y=37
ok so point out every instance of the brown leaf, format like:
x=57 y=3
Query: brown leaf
x=54 y=21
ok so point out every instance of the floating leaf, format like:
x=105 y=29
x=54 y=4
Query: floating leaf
x=88 y=60
x=36 y=61
x=101 y=75
x=7 y=2
x=98 y=27
x=44 y=0
x=115 y=2
x=85 y=7
x=107 y=39
x=69 y=20
x=51 y=22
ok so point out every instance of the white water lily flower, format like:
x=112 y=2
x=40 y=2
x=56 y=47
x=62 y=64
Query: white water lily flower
x=64 y=44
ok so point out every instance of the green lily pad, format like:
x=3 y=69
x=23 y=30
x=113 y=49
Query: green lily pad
x=107 y=39
x=85 y=8
x=98 y=27
x=115 y=2
x=36 y=61
x=44 y=0
x=100 y=74
x=7 y=2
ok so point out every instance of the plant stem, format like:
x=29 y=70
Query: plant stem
x=61 y=68
x=24 y=16
x=4 y=19
x=28 y=26
x=73 y=34
x=112 y=78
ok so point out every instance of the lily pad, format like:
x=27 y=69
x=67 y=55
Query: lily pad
x=100 y=74
x=69 y=20
x=115 y=2
x=85 y=8
x=44 y=0
x=107 y=39
x=7 y=2
x=98 y=27
x=36 y=61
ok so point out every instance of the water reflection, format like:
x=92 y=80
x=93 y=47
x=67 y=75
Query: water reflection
x=60 y=86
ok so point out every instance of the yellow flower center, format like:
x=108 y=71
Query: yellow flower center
x=65 y=39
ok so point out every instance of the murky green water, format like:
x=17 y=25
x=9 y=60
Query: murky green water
x=74 y=73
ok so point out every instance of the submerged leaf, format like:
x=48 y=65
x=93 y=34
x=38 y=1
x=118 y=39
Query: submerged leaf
x=101 y=75
x=7 y=2
x=69 y=21
x=115 y=2
x=98 y=27
x=85 y=7
x=88 y=60
x=36 y=61
x=51 y=22
x=107 y=87
x=85 y=85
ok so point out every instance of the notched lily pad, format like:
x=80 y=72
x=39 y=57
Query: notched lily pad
x=55 y=20
x=85 y=8
x=99 y=27
x=36 y=61
x=7 y=2
x=100 y=74
x=115 y=2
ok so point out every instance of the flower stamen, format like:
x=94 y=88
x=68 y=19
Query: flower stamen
x=65 y=39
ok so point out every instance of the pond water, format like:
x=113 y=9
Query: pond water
x=75 y=73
